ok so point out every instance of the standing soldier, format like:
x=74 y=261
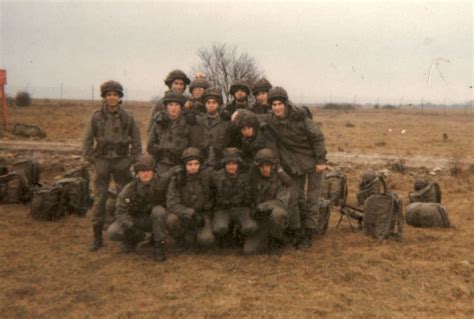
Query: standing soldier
x=139 y=206
x=216 y=130
x=254 y=136
x=233 y=199
x=188 y=205
x=260 y=91
x=271 y=198
x=176 y=81
x=197 y=89
x=172 y=132
x=303 y=155
x=111 y=143
x=240 y=92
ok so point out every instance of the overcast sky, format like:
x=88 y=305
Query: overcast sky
x=319 y=51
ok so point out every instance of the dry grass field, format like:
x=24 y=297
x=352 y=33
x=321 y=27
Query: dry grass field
x=47 y=272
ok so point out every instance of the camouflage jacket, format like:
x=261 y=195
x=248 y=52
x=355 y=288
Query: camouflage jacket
x=263 y=138
x=258 y=108
x=300 y=142
x=217 y=137
x=230 y=191
x=186 y=192
x=169 y=138
x=158 y=107
x=111 y=135
x=269 y=190
x=137 y=199
x=232 y=106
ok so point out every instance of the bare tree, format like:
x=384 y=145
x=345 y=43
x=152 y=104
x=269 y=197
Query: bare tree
x=223 y=64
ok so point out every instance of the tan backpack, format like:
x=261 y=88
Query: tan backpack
x=427 y=215
x=425 y=192
x=371 y=183
x=334 y=187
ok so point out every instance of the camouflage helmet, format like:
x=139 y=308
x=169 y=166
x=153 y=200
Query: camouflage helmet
x=144 y=163
x=239 y=85
x=199 y=83
x=191 y=153
x=176 y=74
x=111 y=86
x=246 y=118
x=172 y=96
x=232 y=154
x=262 y=85
x=421 y=183
x=212 y=93
x=265 y=155
x=277 y=93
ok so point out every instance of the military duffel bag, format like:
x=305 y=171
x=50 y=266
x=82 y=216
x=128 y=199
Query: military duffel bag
x=76 y=195
x=47 y=203
x=324 y=216
x=334 y=187
x=30 y=169
x=14 y=189
x=383 y=215
x=370 y=184
x=28 y=130
x=79 y=171
x=425 y=192
x=427 y=215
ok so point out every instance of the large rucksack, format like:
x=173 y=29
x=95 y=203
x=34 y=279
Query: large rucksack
x=383 y=214
x=14 y=188
x=79 y=171
x=324 y=216
x=427 y=215
x=425 y=192
x=30 y=169
x=76 y=195
x=28 y=130
x=48 y=203
x=371 y=183
x=334 y=187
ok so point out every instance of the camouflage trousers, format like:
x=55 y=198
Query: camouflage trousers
x=182 y=228
x=105 y=169
x=240 y=216
x=147 y=223
x=304 y=204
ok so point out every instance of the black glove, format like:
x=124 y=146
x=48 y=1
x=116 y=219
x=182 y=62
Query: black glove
x=133 y=235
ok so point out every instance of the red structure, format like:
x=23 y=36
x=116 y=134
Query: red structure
x=3 y=81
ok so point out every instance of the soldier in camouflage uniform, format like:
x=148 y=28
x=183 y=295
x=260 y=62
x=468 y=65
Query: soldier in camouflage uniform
x=303 y=155
x=172 y=132
x=176 y=81
x=233 y=198
x=240 y=91
x=189 y=203
x=138 y=208
x=197 y=89
x=216 y=130
x=254 y=136
x=270 y=199
x=111 y=143
x=260 y=91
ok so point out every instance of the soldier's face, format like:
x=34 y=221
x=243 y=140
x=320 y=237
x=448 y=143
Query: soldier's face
x=278 y=108
x=240 y=95
x=232 y=168
x=192 y=167
x=262 y=97
x=265 y=169
x=178 y=86
x=145 y=176
x=197 y=93
x=247 y=131
x=188 y=105
x=212 y=106
x=173 y=109
x=112 y=99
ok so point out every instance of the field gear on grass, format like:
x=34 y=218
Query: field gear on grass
x=48 y=203
x=334 y=187
x=28 y=130
x=371 y=183
x=30 y=169
x=324 y=216
x=76 y=195
x=109 y=86
x=427 y=215
x=425 y=192
x=79 y=172
x=14 y=188
x=383 y=215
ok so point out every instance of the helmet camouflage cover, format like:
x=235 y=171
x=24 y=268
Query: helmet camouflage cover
x=111 y=86
x=174 y=75
x=239 y=85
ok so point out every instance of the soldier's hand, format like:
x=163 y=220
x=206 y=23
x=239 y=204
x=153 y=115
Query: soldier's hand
x=233 y=118
x=320 y=168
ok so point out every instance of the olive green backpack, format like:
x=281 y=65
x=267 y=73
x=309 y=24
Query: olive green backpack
x=427 y=215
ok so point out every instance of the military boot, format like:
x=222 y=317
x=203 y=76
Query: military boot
x=98 y=241
x=160 y=251
x=305 y=238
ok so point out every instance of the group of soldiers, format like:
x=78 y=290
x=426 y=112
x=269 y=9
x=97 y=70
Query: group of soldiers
x=212 y=174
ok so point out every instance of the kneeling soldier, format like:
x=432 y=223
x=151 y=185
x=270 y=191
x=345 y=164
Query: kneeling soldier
x=231 y=188
x=271 y=198
x=138 y=208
